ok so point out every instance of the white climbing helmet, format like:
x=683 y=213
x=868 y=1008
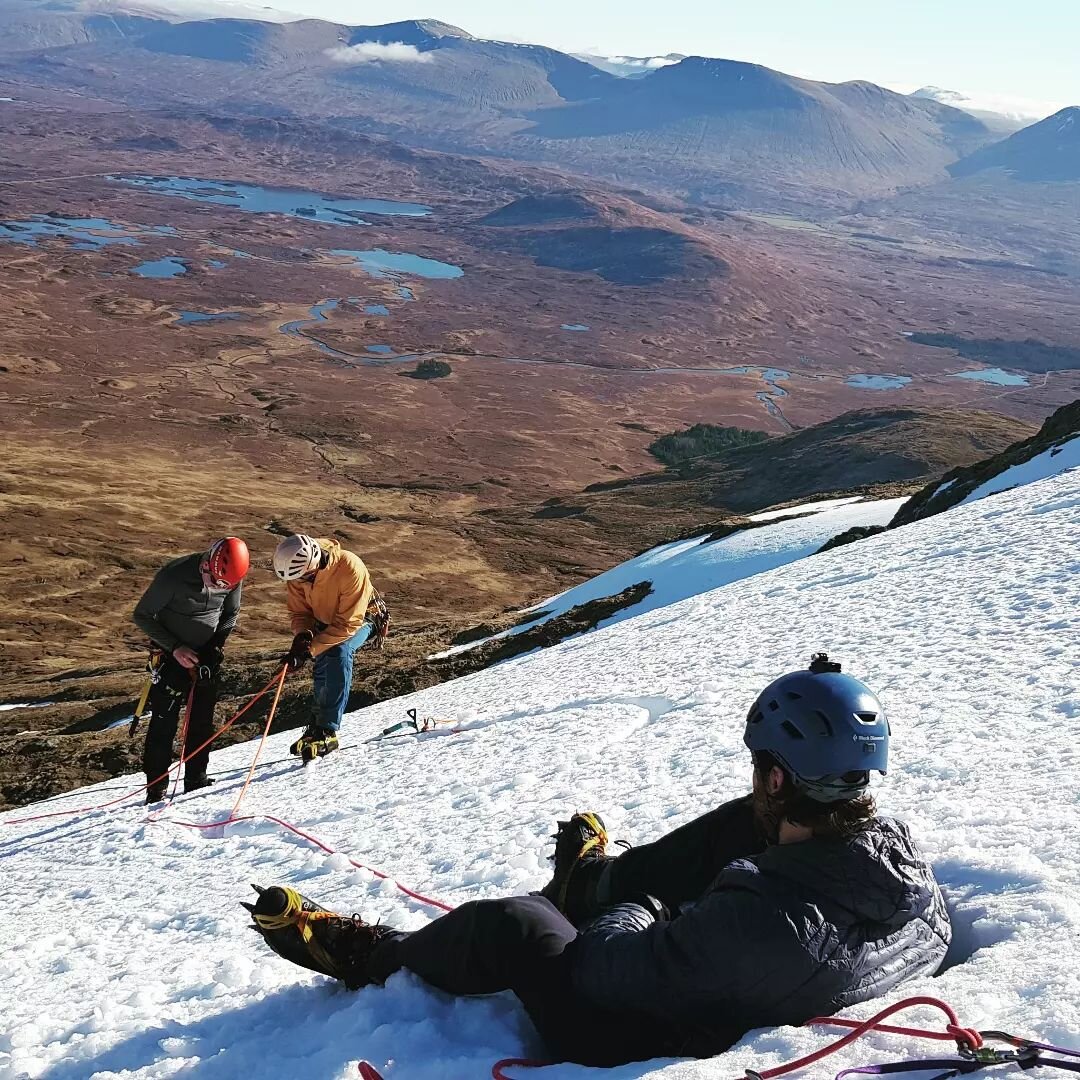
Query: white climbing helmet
x=296 y=556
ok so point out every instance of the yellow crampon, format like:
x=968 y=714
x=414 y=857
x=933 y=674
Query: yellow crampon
x=294 y=915
x=598 y=839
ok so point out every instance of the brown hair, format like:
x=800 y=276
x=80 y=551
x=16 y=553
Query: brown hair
x=826 y=820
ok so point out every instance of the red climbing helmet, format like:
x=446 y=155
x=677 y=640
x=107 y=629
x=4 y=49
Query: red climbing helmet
x=227 y=562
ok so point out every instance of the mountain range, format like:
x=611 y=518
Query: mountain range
x=716 y=130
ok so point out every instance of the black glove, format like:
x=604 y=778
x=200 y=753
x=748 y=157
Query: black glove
x=213 y=652
x=299 y=652
x=210 y=656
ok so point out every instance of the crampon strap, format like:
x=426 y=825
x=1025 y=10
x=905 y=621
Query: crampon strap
x=295 y=915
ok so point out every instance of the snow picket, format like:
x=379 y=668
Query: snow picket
x=124 y=951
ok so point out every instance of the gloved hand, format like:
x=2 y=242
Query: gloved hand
x=299 y=652
x=211 y=655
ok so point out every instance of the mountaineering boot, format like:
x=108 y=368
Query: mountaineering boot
x=308 y=935
x=315 y=742
x=580 y=856
x=194 y=783
x=156 y=792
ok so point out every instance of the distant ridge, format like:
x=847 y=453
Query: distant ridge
x=1046 y=151
x=723 y=131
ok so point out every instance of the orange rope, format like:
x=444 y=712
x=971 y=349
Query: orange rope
x=262 y=741
x=139 y=790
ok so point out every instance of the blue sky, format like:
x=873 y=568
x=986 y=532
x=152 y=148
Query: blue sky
x=990 y=48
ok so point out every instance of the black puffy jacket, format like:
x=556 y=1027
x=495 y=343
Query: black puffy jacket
x=797 y=931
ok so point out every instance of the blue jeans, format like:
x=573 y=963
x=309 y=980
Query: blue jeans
x=333 y=679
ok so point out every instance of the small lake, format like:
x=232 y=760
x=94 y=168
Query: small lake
x=386 y=265
x=257 y=199
x=85 y=234
x=193 y=318
x=168 y=267
x=380 y=350
x=577 y=327
x=877 y=382
x=376 y=309
x=997 y=376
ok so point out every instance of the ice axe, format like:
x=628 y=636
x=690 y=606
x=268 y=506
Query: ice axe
x=152 y=664
x=413 y=722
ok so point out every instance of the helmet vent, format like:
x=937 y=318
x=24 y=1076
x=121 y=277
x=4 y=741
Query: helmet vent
x=792 y=730
x=756 y=717
x=867 y=717
x=774 y=705
x=792 y=696
x=826 y=724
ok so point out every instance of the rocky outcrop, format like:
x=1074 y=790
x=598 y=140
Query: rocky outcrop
x=955 y=486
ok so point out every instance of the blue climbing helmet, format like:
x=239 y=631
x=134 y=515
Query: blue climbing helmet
x=826 y=729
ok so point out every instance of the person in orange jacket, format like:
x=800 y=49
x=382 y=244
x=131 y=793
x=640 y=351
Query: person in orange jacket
x=329 y=592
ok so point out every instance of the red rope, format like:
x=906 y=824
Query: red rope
x=953 y=1030
x=139 y=790
x=183 y=732
x=319 y=844
x=953 y=1033
x=889 y=1029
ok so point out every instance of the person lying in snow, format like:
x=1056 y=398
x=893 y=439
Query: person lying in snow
x=793 y=901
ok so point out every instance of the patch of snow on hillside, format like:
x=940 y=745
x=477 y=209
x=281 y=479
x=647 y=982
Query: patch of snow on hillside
x=804 y=508
x=941 y=488
x=1057 y=459
x=688 y=567
x=124 y=952
x=188 y=10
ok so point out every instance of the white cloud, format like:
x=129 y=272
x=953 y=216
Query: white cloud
x=367 y=52
x=642 y=62
x=1020 y=109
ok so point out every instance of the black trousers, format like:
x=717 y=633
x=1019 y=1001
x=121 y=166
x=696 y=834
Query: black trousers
x=523 y=944
x=168 y=696
x=681 y=866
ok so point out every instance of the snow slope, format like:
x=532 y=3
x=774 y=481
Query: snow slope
x=688 y=567
x=124 y=953
x=1056 y=459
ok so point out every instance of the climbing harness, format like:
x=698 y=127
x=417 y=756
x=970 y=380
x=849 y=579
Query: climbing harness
x=378 y=614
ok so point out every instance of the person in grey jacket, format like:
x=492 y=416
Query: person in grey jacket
x=188 y=612
x=793 y=901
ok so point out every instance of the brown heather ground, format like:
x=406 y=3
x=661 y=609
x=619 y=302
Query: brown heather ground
x=128 y=440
